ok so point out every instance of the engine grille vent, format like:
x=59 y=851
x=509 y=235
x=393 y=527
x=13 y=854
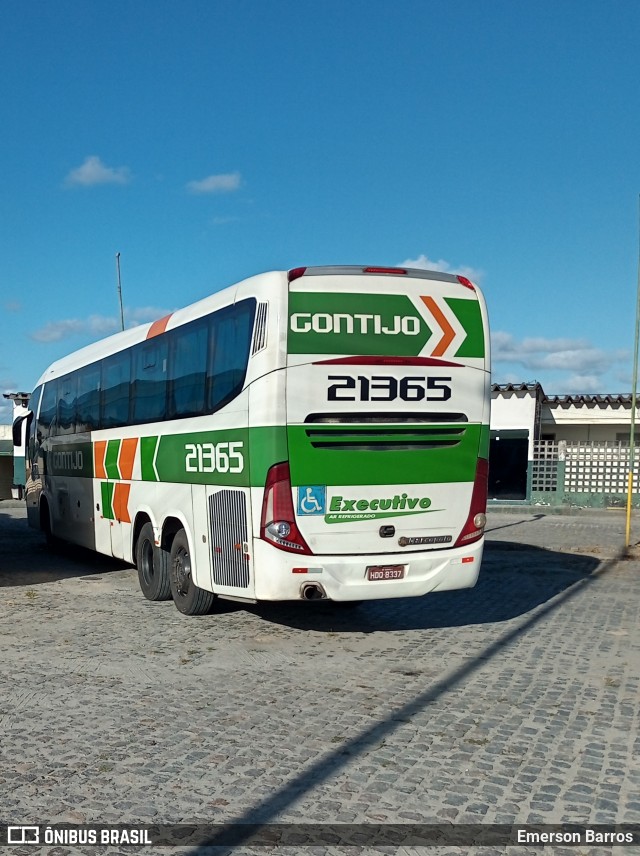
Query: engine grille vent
x=228 y=531
x=383 y=432
x=260 y=329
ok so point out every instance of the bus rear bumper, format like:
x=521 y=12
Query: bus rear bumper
x=285 y=576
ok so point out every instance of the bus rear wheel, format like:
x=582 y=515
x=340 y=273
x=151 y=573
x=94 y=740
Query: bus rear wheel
x=188 y=598
x=151 y=562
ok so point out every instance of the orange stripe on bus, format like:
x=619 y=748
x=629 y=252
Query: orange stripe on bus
x=449 y=333
x=99 y=450
x=127 y=457
x=121 y=502
x=159 y=326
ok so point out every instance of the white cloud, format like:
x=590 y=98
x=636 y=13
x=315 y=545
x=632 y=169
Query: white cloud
x=579 y=359
x=6 y=405
x=93 y=172
x=13 y=306
x=506 y=347
x=96 y=325
x=423 y=262
x=223 y=183
x=564 y=366
x=578 y=384
x=574 y=355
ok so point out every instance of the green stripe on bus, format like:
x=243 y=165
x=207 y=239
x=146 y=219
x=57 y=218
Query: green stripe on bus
x=106 y=489
x=71 y=459
x=267 y=446
x=237 y=457
x=206 y=457
x=468 y=314
x=241 y=457
x=111 y=459
x=341 y=465
x=147 y=453
x=485 y=436
x=355 y=324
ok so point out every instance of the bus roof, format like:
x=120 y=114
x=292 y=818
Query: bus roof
x=132 y=336
x=346 y=270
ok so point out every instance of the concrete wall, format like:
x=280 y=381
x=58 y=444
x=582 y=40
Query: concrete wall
x=577 y=433
x=515 y=411
x=596 y=421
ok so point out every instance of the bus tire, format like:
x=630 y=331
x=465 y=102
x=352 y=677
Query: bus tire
x=152 y=565
x=188 y=598
x=45 y=525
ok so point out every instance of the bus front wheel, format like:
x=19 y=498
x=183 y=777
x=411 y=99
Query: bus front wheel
x=188 y=598
x=152 y=565
x=45 y=525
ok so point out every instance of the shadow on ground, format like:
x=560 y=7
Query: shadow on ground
x=25 y=559
x=514 y=579
x=542 y=571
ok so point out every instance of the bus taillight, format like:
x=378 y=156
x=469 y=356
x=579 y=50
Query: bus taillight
x=473 y=529
x=296 y=273
x=278 y=524
x=392 y=271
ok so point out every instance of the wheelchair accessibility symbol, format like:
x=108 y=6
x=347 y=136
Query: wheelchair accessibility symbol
x=312 y=499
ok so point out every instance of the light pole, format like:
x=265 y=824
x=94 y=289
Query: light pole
x=632 y=431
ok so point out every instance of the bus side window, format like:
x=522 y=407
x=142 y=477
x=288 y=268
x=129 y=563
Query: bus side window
x=149 y=381
x=88 y=409
x=231 y=340
x=67 y=401
x=47 y=426
x=116 y=379
x=188 y=369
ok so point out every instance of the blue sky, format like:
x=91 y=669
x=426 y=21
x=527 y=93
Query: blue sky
x=208 y=141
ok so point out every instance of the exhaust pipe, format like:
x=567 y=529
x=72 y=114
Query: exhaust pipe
x=312 y=591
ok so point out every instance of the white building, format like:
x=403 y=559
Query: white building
x=562 y=444
x=12 y=450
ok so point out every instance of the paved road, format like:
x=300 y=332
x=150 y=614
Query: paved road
x=514 y=702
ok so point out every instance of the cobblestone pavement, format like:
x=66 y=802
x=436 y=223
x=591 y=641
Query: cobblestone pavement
x=513 y=702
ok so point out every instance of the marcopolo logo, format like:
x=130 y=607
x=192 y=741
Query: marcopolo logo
x=342 y=509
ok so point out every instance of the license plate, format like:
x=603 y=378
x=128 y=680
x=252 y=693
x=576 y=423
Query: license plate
x=385 y=572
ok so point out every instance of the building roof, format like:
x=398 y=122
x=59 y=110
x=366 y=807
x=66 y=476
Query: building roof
x=533 y=387
x=589 y=400
x=566 y=400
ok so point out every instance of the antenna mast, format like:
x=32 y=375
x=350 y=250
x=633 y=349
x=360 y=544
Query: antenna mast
x=120 y=291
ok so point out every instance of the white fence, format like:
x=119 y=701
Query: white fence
x=583 y=467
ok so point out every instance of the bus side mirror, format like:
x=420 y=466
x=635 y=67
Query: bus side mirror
x=17 y=431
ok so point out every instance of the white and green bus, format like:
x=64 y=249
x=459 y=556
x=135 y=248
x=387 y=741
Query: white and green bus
x=320 y=433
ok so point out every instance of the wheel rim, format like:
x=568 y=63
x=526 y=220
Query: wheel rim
x=182 y=571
